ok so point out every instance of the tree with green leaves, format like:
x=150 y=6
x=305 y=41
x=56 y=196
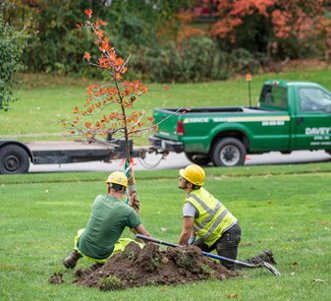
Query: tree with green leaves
x=11 y=47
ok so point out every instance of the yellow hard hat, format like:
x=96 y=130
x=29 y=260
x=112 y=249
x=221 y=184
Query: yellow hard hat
x=194 y=174
x=118 y=177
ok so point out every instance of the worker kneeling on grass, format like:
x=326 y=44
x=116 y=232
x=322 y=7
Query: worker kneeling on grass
x=101 y=236
x=207 y=223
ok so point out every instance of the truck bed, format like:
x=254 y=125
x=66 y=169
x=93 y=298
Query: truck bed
x=56 y=152
x=67 y=145
x=255 y=110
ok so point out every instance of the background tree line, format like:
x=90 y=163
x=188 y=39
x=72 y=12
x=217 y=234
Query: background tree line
x=179 y=40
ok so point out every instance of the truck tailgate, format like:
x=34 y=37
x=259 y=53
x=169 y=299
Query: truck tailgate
x=167 y=123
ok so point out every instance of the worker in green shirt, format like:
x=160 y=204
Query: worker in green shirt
x=109 y=217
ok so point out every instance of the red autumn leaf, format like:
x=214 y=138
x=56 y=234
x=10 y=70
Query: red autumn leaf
x=88 y=12
x=76 y=110
x=88 y=124
x=97 y=24
x=151 y=119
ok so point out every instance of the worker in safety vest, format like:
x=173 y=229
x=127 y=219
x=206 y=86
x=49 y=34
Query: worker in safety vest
x=205 y=218
x=101 y=236
x=207 y=223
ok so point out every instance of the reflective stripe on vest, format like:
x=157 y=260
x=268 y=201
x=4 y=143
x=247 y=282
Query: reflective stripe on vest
x=209 y=210
x=211 y=223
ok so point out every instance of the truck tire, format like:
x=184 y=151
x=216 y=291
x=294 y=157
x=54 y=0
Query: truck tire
x=199 y=159
x=13 y=159
x=229 y=152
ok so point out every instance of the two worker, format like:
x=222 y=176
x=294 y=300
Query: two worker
x=207 y=223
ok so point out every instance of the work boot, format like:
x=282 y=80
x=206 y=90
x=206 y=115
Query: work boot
x=71 y=261
x=266 y=256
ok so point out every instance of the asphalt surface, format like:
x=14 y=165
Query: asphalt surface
x=176 y=161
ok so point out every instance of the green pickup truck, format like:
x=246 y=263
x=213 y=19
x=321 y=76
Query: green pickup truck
x=290 y=116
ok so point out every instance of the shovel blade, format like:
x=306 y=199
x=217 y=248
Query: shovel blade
x=271 y=268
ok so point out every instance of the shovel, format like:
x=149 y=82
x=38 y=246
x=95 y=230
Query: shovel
x=261 y=264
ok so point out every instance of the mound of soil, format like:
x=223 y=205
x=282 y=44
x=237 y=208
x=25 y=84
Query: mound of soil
x=136 y=267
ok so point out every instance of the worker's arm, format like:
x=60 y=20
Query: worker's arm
x=187 y=230
x=141 y=230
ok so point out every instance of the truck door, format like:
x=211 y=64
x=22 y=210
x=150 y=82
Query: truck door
x=313 y=123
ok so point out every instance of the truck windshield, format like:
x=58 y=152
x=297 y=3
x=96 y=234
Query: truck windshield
x=274 y=96
x=314 y=99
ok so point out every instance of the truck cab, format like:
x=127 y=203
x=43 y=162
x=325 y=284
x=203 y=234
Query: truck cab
x=290 y=116
x=309 y=109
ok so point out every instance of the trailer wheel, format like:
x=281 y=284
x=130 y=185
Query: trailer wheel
x=13 y=159
x=229 y=152
x=199 y=159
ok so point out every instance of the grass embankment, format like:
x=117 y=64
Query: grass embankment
x=285 y=208
x=44 y=101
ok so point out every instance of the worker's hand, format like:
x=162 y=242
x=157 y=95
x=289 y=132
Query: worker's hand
x=134 y=202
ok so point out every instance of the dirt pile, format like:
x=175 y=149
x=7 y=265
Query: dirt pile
x=150 y=266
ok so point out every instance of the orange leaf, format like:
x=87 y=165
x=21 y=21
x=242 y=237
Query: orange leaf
x=88 y=124
x=87 y=56
x=102 y=22
x=76 y=110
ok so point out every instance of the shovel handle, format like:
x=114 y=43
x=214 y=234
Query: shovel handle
x=271 y=268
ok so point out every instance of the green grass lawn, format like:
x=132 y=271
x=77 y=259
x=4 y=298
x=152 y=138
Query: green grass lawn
x=284 y=208
x=44 y=101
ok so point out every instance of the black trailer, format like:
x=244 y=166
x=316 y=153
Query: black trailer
x=15 y=156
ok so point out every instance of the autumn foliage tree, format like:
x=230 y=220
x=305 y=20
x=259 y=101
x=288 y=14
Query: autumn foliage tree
x=108 y=108
x=276 y=21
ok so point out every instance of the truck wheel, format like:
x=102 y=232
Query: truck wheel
x=13 y=159
x=229 y=152
x=199 y=159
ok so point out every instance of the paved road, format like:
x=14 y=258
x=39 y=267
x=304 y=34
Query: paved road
x=175 y=161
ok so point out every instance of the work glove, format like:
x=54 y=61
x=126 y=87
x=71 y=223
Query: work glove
x=191 y=240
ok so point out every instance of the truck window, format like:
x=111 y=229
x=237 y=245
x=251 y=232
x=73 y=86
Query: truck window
x=274 y=96
x=314 y=99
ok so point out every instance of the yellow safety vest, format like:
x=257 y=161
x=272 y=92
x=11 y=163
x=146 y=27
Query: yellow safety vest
x=213 y=217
